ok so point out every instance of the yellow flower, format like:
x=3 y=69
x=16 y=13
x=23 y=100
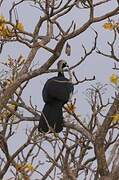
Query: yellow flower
x=114 y=79
x=7 y=113
x=28 y=167
x=20 y=26
x=108 y=26
x=2 y=27
x=2 y=24
x=24 y=167
x=71 y=107
x=115 y=117
x=12 y=106
x=7 y=32
x=2 y=19
x=18 y=167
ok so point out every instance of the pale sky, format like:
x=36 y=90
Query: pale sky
x=95 y=64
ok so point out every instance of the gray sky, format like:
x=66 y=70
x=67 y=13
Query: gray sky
x=95 y=64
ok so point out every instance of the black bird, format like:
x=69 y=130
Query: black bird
x=56 y=93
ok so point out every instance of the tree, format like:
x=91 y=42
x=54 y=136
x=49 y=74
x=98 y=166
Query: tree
x=82 y=149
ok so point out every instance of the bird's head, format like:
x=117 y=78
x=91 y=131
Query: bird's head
x=61 y=65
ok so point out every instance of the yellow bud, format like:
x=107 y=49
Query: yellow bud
x=19 y=167
x=11 y=106
x=108 y=26
x=2 y=25
x=28 y=167
x=20 y=26
x=2 y=28
x=7 y=33
x=114 y=79
x=2 y=19
x=115 y=117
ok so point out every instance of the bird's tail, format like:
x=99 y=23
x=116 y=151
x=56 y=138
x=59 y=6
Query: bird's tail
x=51 y=118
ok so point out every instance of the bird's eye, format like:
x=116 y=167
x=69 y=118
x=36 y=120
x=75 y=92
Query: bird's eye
x=64 y=65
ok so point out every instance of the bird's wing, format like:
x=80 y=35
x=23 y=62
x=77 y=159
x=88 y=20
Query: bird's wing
x=58 y=89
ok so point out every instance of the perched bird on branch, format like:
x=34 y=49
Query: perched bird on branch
x=56 y=93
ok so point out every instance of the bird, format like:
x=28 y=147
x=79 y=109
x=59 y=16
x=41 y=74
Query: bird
x=56 y=92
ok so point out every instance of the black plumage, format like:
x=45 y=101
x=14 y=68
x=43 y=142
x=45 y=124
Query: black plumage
x=56 y=93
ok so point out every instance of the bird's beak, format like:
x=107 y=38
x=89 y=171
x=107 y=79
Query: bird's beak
x=66 y=67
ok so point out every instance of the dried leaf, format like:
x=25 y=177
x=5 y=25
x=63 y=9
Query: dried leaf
x=68 y=49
